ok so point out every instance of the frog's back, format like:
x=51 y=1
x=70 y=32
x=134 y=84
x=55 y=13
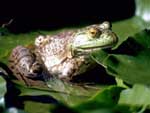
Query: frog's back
x=54 y=49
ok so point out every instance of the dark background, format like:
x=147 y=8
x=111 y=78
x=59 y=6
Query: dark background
x=40 y=14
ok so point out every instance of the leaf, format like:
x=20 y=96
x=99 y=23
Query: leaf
x=131 y=60
x=132 y=27
x=2 y=90
x=138 y=96
x=66 y=93
x=103 y=102
x=108 y=95
x=135 y=24
x=127 y=28
x=130 y=54
x=42 y=108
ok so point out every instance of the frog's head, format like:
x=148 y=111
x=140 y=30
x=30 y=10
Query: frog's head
x=93 y=38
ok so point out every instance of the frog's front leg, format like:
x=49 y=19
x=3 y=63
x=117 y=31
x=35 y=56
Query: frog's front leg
x=65 y=70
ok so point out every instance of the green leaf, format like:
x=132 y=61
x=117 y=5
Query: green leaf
x=138 y=96
x=127 y=28
x=131 y=60
x=135 y=24
x=108 y=95
x=125 y=65
x=103 y=102
x=2 y=90
x=30 y=107
x=62 y=92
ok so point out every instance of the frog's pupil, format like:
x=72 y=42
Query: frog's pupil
x=93 y=32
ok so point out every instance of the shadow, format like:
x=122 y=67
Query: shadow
x=57 y=14
x=96 y=75
x=62 y=109
x=12 y=98
x=128 y=47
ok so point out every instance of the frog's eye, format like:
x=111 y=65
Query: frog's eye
x=94 y=32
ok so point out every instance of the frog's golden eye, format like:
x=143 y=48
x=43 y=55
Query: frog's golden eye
x=94 y=32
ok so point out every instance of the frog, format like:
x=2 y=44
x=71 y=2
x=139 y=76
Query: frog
x=63 y=55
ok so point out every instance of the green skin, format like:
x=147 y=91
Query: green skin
x=64 y=55
x=105 y=40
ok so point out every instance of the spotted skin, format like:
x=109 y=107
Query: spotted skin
x=64 y=55
x=61 y=55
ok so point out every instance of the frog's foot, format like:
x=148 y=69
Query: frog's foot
x=68 y=69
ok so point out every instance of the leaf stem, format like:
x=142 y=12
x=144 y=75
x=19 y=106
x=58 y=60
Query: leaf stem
x=143 y=109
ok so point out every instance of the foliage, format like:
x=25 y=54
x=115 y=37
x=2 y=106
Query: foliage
x=129 y=61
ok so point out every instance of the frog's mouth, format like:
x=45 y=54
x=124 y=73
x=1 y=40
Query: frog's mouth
x=87 y=50
x=106 y=40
